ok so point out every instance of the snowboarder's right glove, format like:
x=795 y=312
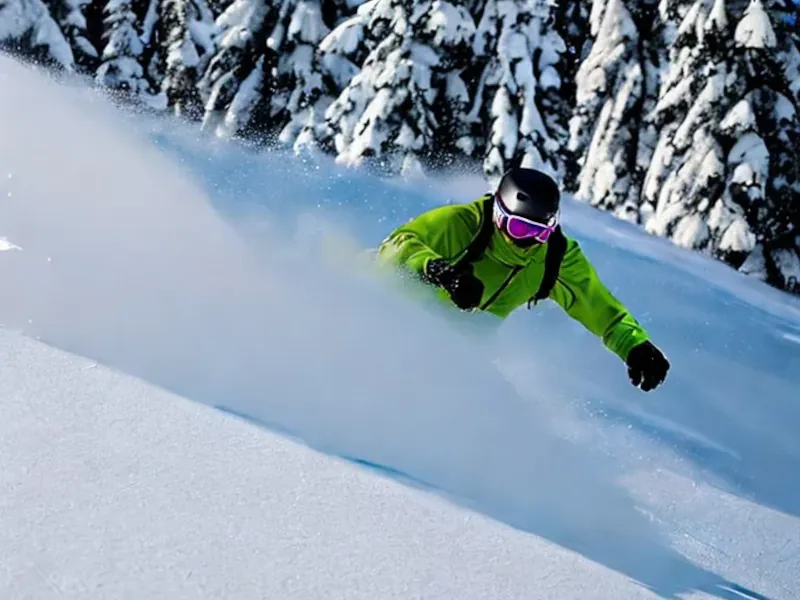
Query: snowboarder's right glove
x=647 y=366
x=464 y=288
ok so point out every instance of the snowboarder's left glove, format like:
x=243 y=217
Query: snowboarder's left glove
x=647 y=366
x=464 y=288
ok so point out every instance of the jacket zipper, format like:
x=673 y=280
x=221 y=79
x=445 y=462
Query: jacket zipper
x=504 y=285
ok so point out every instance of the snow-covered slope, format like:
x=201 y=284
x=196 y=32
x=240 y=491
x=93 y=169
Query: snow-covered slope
x=114 y=489
x=218 y=275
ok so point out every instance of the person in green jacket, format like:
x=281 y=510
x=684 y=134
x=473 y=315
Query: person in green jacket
x=506 y=250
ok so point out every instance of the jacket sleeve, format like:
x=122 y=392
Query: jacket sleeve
x=586 y=299
x=439 y=233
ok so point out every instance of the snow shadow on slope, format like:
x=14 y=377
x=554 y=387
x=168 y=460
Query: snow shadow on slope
x=124 y=260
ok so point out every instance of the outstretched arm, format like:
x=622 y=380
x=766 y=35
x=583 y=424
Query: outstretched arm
x=584 y=297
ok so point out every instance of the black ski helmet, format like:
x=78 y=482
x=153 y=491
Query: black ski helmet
x=531 y=194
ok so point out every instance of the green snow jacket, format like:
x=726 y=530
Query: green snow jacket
x=445 y=232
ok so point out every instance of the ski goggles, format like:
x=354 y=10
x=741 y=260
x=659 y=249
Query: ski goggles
x=521 y=228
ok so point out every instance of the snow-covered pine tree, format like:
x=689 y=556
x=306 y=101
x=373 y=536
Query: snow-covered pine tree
x=298 y=97
x=572 y=24
x=340 y=53
x=265 y=74
x=344 y=40
x=218 y=7
x=69 y=14
x=686 y=180
x=183 y=44
x=616 y=84
x=395 y=111
x=766 y=127
x=238 y=73
x=121 y=71
x=338 y=56
x=519 y=92
x=28 y=29
x=723 y=177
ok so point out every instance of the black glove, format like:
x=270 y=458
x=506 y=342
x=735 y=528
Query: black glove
x=647 y=366
x=464 y=288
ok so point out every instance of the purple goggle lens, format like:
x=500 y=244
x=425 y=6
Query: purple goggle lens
x=521 y=228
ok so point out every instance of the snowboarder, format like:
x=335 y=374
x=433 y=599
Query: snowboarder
x=507 y=249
